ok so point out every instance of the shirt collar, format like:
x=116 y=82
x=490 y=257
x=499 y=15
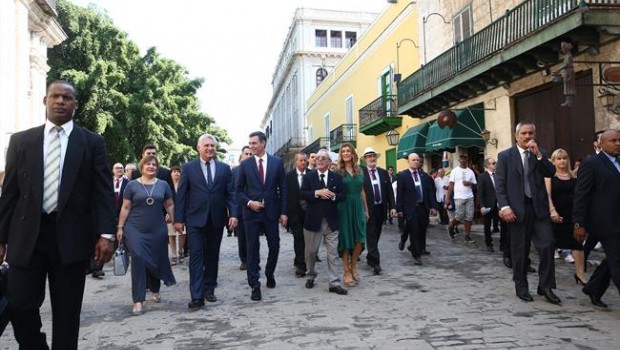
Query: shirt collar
x=66 y=127
x=611 y=158
x=320 y=173
x=521 y=150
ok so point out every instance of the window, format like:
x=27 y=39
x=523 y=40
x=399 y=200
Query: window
x=321 y=73
x=336 y=38
x=350 y=38
x=348 y=109
x=462 y=25
x=321 y=37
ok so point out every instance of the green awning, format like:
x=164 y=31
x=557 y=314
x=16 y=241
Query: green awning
x=466 y=132
x=413 y=141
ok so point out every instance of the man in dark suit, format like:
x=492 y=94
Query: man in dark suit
x=380 y=201
x=296 y=212
x=488 y=207
x=321 y=189
x=205 y=204
x=56 y=211
x=261 y=187
x=596 y=208
x=414 y=201
x=524 y=205
x=240 y=229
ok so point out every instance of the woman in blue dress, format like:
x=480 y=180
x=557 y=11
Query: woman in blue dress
x=352 y=213
x=141 y=221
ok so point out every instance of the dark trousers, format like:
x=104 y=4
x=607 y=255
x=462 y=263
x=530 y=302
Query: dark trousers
x=299 y=246
x=492 y=218
x=241 y=244
x=522 y=234
x=443 y=213
x=588 y=246
x=252 y=230
x=26 y=293
x=412 y=231
x=374 y=227
x=204 y=258
x=609 y=269
x=423 y=222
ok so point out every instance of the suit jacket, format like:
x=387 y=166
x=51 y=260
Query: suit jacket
x=486 y=190
x=429 y=198
x=273 y=193
x=597 y=196
x=387 y=194
x=195 y=201
x=123 y=185
x=296 y=213
x=235 y=175
x=406 y=196
x=319 y=208
x=85 y=199
x=509 y=182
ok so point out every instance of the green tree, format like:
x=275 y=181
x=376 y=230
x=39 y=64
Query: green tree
x=128 y=98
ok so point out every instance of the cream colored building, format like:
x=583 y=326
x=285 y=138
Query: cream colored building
x=316 y=41
x=27 y=29
x=356 y=103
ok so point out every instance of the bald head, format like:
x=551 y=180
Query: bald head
x=610 y=142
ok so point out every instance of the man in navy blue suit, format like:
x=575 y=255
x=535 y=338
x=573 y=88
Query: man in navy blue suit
x=205 y=204
x=262 y=188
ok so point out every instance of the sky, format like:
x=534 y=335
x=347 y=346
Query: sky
x=233 y=45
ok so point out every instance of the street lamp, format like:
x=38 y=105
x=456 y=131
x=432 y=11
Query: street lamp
x=397 y=76
x=393 y=137
x=424 y=19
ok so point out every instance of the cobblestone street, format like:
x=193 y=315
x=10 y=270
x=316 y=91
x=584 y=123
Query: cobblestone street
x=461 y=297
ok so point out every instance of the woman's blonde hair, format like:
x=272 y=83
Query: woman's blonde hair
x=342 y=168
x=561 y=152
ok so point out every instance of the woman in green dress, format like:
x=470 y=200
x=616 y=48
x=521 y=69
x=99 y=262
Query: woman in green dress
x=353 y=214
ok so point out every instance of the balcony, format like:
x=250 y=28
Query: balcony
x=345 y=133
x=48 y=6
x=293 y=144
x=525 y=40
x=379 y=116
x=321 y=142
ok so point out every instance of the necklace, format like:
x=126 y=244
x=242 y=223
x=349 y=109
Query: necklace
x=149 y=198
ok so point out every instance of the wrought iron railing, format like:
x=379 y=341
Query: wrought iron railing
x=321 y=142
x=516 y=24
x=384 y=106
x=343 y=133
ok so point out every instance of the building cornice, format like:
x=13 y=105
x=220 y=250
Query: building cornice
x=46 y=26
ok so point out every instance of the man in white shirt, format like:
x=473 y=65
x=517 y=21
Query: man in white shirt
x=462 y=181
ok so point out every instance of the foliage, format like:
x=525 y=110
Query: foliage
x=128 y=98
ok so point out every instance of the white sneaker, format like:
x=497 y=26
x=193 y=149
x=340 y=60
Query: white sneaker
x=556 y=255
x=598 y=246
x=569 y=259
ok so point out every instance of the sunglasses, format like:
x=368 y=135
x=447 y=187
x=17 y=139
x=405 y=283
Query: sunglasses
x=493 y=163
x=321 y=158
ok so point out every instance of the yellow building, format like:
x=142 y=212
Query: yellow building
x=356 y=103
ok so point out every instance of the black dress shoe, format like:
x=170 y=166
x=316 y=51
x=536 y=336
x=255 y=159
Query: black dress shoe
x=210 y=297
x=377 y=269
x=530 y=269
x=417 y=261
x=271 y=282
x=507 y=262
x=426 y=252
x=549 y=295
x=299 y=272
x=256 y=295
x=338 y=290
x=196 y=304
x=401 y=245
x=594 y=300
x=525 y=296
x=309 y=284
x=243 y=266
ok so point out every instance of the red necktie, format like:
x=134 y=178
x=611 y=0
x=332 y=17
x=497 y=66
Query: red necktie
x=261 y=171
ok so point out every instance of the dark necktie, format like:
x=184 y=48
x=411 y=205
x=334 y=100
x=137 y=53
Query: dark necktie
x=208 y=164
x=117 y=192
x=526 y=175
x=261 y=171
x=322 y=176
x=375 y=186
x=418 y=190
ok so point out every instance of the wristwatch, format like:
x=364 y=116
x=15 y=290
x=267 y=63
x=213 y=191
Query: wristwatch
x=576 y=226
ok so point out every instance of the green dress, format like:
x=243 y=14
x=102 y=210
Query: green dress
x=352 y=220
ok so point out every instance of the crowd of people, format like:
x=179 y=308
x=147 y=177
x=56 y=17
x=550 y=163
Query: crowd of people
x=55 y=226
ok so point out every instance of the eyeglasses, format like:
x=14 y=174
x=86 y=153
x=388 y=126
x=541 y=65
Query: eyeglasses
x=321 y=158
x=118 y=167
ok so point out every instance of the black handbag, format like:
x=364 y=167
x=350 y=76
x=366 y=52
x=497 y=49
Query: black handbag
x=121 y=259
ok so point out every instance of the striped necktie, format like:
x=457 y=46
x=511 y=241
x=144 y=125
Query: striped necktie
x=51 y=181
